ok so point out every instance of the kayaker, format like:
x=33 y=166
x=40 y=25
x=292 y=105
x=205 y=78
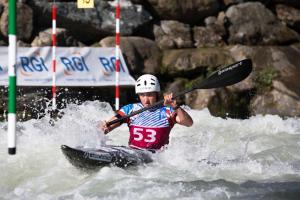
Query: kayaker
x=151 y=128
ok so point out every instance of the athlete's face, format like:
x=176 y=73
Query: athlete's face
x=148 y=98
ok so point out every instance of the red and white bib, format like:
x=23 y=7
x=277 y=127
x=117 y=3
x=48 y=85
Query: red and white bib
x=151 y=128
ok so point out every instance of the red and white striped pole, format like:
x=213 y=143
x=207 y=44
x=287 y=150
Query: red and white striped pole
x=117 y=64
x=53 y=56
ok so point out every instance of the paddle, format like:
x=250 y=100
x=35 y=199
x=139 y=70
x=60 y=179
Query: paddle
x=226 y=76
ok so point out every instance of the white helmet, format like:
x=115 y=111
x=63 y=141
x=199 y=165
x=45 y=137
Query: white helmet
x=147 y=83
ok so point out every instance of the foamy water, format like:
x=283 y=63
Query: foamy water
x=257 y=158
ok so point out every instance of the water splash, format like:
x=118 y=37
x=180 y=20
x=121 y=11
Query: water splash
x=214 y=159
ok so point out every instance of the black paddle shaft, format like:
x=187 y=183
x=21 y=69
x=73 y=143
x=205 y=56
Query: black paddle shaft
x=226 y=76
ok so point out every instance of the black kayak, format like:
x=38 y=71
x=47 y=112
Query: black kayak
x=91 y=158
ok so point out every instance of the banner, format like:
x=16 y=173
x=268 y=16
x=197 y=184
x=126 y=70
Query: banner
x=76 y=66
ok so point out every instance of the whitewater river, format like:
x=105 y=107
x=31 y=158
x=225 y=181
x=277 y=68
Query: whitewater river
x=216 y=159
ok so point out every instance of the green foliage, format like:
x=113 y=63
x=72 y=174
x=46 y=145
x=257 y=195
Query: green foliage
x=265 y=77
x=189 y=84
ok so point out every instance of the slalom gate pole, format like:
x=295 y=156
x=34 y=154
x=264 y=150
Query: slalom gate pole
x=117 y=63
x=12 y=79
x=53 y=56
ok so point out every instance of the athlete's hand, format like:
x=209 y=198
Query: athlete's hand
x=169 y=101
x=102 y=126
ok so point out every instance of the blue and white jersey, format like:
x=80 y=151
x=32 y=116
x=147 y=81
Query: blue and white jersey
x=157 y=117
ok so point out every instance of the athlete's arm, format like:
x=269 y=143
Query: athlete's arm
x=182 y=117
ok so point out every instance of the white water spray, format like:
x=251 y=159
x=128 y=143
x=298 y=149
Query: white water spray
x=210 y=160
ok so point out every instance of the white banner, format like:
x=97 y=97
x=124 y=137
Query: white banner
x=76 y=66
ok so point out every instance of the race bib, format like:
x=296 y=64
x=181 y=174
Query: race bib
x=149 y=137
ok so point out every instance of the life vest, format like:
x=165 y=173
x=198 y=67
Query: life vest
x=151 y=128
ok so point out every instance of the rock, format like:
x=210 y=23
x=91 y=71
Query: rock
x=239 y=52
x=230 y=104
x=259 y=28
x=35 y=102
x=3 y=43
x=90 y=25
x=200 y=99
x=230 y=2
x=275 y=78
x=30 y=103
x=3 y=104
x=193 y=62
x=217 y=24
x=63 y=38
x=22 y=44
x=173 y=35
x=271 y=88
x=24 y=22
x=282 y=59
x=178 y=85
x=294 y=3
x=191 y=12
x=141 y=55
x=279 y=101
x=245 y=85
x=289 y=15
x=159 y=37
x=207 y=37
x=2 y=6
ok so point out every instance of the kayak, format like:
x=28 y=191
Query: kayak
x=96 y=158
